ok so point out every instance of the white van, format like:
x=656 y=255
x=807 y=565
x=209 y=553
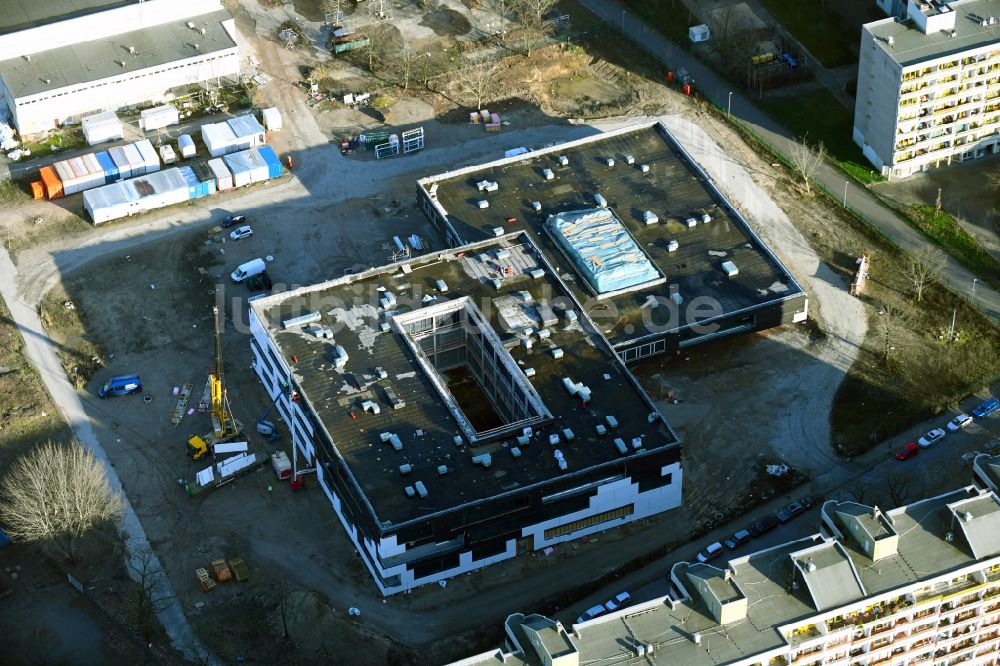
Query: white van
x=248 y=270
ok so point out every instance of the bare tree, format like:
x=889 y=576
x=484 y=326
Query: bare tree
x=150 y=599
x=55 y=494
x=383 y=45
x=923 y=269
x=808 y=161
x=478 y=83
x=891 y=320
x=993 y=180
x=531 y=22
x=405 y=63
x=900 y=488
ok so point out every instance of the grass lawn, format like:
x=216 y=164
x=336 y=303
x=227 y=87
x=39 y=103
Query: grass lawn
x=833 y=126
x=956 y=241
x=821 y=30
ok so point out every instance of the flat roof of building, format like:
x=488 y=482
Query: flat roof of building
x=911 y=45
x=930 y=545
x=426 y=425
x=20 y=15
x=674 y=189
x=102 y=58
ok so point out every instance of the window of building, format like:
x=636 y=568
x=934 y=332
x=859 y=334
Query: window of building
x=589 y=521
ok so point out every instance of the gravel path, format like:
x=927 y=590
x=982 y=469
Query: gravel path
x=801 y=436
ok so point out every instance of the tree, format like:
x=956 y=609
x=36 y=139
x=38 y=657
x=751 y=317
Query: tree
x=405 y=63
x=478 y=83
x=150 y=599
x=923 y=268
x=891 y=319
x=383 y=45
x=808 y=161
x=55 y=494
x=900 y=488
x=530 y=17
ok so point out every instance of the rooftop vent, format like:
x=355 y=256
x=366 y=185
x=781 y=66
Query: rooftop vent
x=891 y=40
x=420 y=488
x=484 y=459
x=27 y=58
x=967 y=516
x=130 y=49
x=810 y=566
x=190 y=25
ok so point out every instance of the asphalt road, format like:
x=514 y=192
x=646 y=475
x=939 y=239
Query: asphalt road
x=722 y=93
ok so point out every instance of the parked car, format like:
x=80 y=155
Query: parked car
x=908 y=451
x=120 y=385
x=591 y=613
x=232 y=220
x=986 y=408
x=807 y=501
x=710 y=553
x=621 y=599
x=240 y=233
x=959 y=422
x=737 y=540
x=790 y=512
x=763 y=525
x=931 y=438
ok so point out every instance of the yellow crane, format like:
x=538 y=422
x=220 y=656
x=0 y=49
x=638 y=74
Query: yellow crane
x=224 y=426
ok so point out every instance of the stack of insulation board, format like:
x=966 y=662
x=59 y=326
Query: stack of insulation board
x=197 y=187
x=223 y=176
x=138 y=195
x=102 y=127
x=273 y=162
x=158 y=117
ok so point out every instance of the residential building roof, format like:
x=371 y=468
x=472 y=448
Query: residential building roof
x=911 y=45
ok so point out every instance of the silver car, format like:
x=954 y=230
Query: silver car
x=240 y=233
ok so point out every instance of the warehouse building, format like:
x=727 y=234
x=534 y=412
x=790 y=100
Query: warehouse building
x=928 y=86
x=915 y=585
x=460 y=409
x=637 y=231
x=64 y=59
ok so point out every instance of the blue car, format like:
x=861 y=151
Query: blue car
x=986 y=408
x=120 y=385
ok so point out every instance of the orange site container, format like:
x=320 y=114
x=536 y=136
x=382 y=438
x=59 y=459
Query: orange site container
x=37 y=190
x=51 y=181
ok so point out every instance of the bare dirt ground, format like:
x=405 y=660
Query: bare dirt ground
x=142 y=302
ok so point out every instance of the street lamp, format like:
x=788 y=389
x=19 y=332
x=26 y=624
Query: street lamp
x=974 y=281
x=845 y=193
x=729 y=104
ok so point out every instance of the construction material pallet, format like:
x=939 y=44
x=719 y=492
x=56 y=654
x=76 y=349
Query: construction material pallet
x=205 y=581
x=241 y=572
x=182 y=403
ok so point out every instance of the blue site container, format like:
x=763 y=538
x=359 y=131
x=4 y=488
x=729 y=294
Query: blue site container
x=272 y=160
x=111 y=173
x=196 y=188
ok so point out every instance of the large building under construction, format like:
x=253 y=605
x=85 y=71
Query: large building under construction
x=637 y=232
x=460 y=410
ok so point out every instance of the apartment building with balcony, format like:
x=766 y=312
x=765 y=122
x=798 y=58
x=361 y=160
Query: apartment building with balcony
x=915 y=585
x=929 y=86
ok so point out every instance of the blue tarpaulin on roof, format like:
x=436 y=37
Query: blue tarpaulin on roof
x=602 y=249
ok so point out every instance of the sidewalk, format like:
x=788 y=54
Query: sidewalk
x=721 y=93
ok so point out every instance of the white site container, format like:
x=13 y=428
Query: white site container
x=117 y=155
x=101 y=127
x=158 y=117
x=72 y=179
x=258 y=167
x=106 y=203
x=272 y=119
x=238 y=164
x=148 y=154
x=223 y=176
x=135 y=159
x=219 y=138
x=186 y=145
x=248 y=131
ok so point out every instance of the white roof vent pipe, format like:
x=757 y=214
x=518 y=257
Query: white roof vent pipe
x=891 y=40
x=810 y=566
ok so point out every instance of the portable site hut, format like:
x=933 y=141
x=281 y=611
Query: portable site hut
x=249 y=133
x=110 y=168
x=101 y=127
x=241 y=168
x=219 y=138
x=80 y=173
x=274 y=168
x=158 y=117
x=699 y=33
x=150 y=160
x=50 y=182
x=259 y=171
x=271 y=118
x=135 y=159
x=205 y=175
x=158 y=189
x=167 y=154
x=186 y=145
x=117 y=155
x=109 y=202
x=197 y=188
x=223 y=176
